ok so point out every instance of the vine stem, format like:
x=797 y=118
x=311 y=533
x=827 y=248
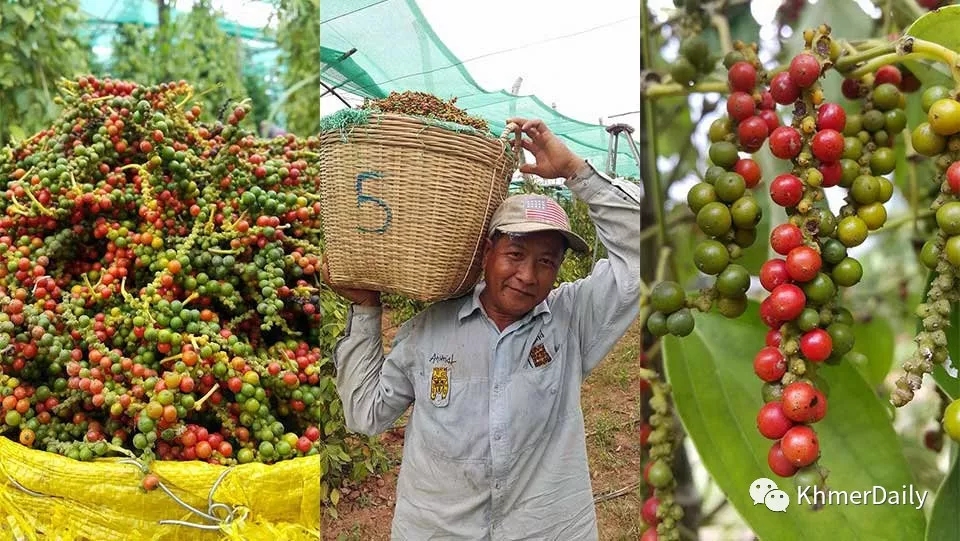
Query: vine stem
x=912 y=218
x=846 y=63
x=649 y=121
x=914 y=194
x=909 y=44
x=664 y=90
x=722 y=25
x=880 y=61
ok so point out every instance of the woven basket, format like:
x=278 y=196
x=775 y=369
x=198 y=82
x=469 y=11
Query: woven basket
x=406 y=204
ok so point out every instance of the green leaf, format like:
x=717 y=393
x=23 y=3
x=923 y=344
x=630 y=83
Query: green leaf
x=673 y=117
x=26 y=15
x=944 y=522
x=16 y=132
x=846 y=20
x=875 y=339
x=950 y=384
x=928 y=75
x=717 y=397
x=939 y=26
x=743 y=27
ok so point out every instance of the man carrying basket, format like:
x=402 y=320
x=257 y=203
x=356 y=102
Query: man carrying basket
x=495 y=447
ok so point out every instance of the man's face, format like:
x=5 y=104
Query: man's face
x=520 y=270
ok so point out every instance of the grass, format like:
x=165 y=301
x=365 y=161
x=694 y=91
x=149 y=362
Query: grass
x=355 y=534
x=611 y=399
x=603 y=431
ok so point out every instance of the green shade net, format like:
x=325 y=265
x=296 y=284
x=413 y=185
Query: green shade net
x=397 y=50
x=103 y=17
x=145 y=12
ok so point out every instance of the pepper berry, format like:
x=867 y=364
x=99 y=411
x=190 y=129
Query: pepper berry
x=785 y=142
x=783 y=89
x=785 y=237
x=816 y=345
x=803 y=263
x=774 y=273
x=787 y=301
x=742 y=76
x=800 y=401
x=800 y=446
x=778 y=462
x=740 y=106
x=769 y=364
x=804 y=70
x=772 y=422
x=786 y=190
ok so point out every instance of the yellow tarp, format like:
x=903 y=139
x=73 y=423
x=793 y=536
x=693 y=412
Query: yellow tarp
x=103 y=500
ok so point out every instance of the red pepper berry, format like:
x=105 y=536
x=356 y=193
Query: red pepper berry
x=772 y=423
x=804 y=70
x=749 y=170
x=768 y=315
x=787 y=301
x=779 y=464
x=816 y=345
x=783 y=89
x=832 y=173
x=740 y=106
x=786 y=190
x=649 y=511
x=773 y=338
x=803 y=263
x=887 y=74
x=800 y=401
x=850 y=89
x=770 y=117
x=827 y=145
x=774 y=273
x=785 y=237
x=785 y=142
x=742 y=76
x=953 y=177
x=800 y=446
x=831 y=116
x=752 y=133
x=769 y=364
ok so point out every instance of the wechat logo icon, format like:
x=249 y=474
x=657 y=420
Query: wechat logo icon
x=767 y=492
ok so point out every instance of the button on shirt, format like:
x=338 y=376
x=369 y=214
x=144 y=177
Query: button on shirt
x=495 y=446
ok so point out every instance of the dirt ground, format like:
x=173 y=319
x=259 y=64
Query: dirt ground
x=611 y=409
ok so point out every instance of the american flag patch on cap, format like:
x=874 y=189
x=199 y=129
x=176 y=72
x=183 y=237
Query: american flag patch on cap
x=542 y=209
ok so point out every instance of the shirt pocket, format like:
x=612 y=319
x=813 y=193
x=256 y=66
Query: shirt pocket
x=451 y=414
x=535 y=393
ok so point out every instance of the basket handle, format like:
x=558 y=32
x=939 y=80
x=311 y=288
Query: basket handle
x=517 y=140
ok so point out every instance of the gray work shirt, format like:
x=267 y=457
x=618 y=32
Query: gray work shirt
x=495 y=446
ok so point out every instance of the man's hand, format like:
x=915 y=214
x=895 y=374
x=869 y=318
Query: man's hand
x=553 y=158
x=363 y=297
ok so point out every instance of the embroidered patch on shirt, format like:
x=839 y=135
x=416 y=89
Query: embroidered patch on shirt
x=440 y=386
x=539 y=356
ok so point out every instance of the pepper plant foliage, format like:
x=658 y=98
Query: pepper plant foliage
x=298 y=36
x=810 y=322
x=39 y=44
x=193 y=48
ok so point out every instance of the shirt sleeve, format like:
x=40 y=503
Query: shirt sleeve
x=604 y=304
x=374 y=389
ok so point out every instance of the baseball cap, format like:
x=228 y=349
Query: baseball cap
x=530 y=213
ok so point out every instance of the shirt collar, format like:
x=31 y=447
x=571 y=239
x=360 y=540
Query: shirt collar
x=472 y=304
